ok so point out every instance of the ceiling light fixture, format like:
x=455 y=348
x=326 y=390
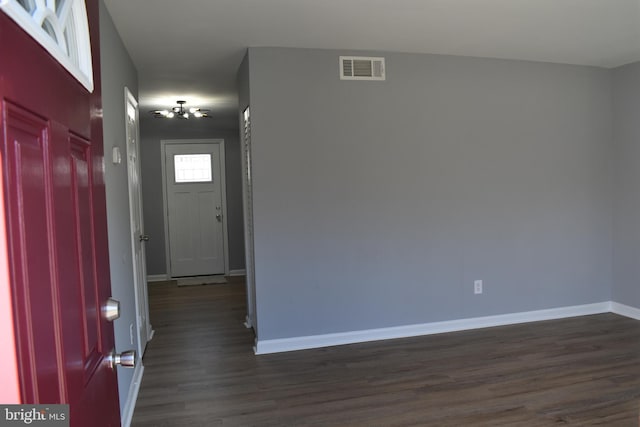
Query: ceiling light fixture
x=181 y=112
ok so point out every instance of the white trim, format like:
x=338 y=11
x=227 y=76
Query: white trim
x=625 y=310
x=327 y=340
x=157 y=278
x=132 y=397
x=223 y=184
x=136 y=219
x=241 y=272
x=248 y=323
x=165 y=219
x=83 y=71
x=247 y=211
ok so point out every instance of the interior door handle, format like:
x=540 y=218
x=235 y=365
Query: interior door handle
x=144 y=238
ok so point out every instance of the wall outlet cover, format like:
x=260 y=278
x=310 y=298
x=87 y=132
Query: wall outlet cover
x=477 y=286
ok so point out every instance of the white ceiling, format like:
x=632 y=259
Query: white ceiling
x=191 y=49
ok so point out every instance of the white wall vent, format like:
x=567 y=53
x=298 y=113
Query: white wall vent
x=362 y=68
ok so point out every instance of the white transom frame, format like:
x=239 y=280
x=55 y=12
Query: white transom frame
x=73 y=18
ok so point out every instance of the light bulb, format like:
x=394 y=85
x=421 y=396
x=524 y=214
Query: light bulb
x=193 y=110
x=170 y=115
x=197 y=114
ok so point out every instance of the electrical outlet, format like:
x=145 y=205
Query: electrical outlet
x=477 y=286
x=131 y=332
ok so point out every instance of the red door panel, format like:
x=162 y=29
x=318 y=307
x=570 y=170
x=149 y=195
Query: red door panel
x=27 y=136
x=82 y=217
x=54 y=202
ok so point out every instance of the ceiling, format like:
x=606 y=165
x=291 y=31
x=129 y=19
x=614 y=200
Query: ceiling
x=191 y=49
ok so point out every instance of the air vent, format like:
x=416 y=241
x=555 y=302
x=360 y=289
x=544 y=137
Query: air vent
x=361 y=68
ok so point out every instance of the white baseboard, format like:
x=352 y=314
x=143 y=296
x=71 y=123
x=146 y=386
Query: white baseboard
x=134 y=388
x=625 y=310
x=237 y=272
x=327 y=340
x=248 y=323
x=157 y=278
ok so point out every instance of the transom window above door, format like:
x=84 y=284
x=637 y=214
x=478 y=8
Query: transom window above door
x=61 y=27
x=192 y=168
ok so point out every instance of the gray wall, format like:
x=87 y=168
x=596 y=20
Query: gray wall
x=626 y=132
x=118 y=71
x=152 y=131
x=378 y=203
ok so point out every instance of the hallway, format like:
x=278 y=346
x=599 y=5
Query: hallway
x=200 y=371
x=200 y=344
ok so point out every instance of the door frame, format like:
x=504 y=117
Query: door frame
x=165 y=204
x=247 y=203
x=140 y=289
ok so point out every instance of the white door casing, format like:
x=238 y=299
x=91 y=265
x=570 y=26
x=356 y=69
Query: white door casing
x=143 y=324
x=195 y=207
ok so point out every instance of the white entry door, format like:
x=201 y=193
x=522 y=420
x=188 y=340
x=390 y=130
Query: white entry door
x=194 y=183
x=138 y=238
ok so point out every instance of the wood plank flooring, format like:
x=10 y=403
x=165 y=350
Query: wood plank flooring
x=201 y=371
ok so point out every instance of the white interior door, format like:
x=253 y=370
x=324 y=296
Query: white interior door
x=138 y=238
x=194 y=184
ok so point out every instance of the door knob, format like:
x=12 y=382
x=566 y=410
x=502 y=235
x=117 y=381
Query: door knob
x=144 y=237
x=111 y=309
x=125 y=359
x=219 y=217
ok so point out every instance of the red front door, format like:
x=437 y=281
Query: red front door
x=54 y=202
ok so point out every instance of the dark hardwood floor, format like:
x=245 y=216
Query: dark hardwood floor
x=201 y=371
